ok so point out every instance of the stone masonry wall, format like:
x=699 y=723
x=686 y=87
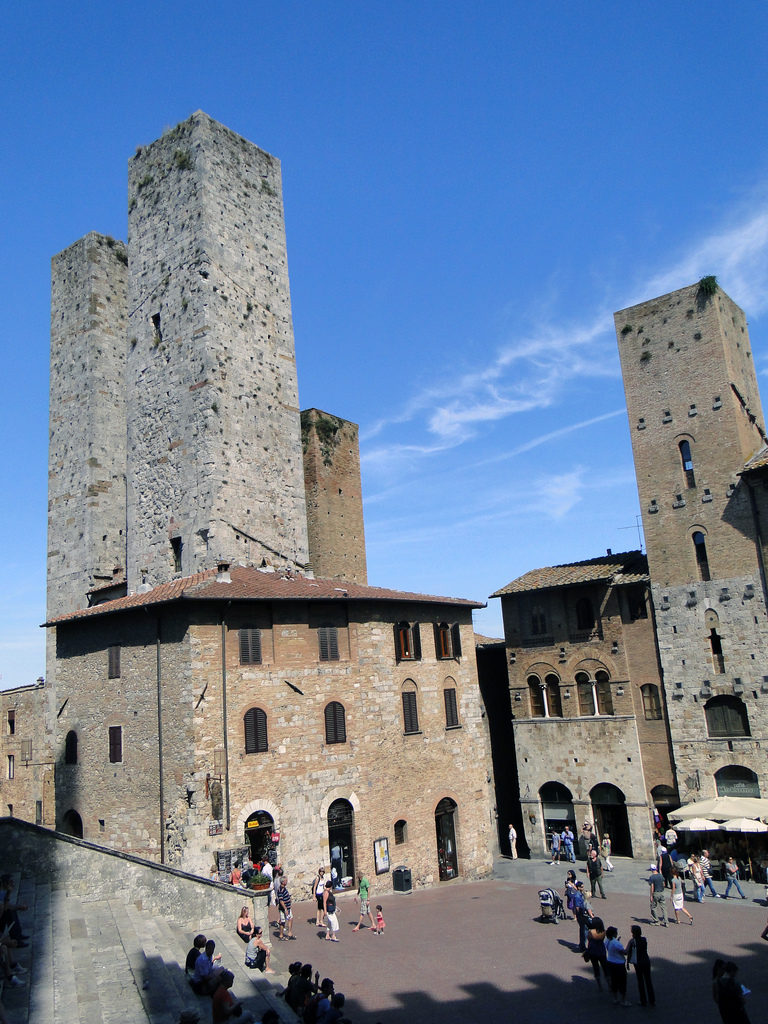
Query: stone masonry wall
x=86 y=460
x=334 y=496
x=215 y=462
x=25 y=735
x=92 y=873
x=685 y=360
x=385 y=774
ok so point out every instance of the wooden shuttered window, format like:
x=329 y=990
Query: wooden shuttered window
x=328 y=643
x=114 y=661
x=447 y=640
x=335 y=723
x=410 y=712
x=255 y=722
x=250 y=646
x=407 y=641
x=451 y=708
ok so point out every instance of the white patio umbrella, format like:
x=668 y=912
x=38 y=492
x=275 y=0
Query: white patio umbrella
x=746 y=825
x=700 y=825
x=723 y=808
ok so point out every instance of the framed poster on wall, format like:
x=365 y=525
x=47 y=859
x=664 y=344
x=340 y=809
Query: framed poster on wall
x=381 y=855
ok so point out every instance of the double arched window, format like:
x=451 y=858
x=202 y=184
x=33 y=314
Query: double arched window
x=545 y=696
x=594 y=694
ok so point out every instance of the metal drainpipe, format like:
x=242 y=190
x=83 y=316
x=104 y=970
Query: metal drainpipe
x=224 y=714
x=160 y=743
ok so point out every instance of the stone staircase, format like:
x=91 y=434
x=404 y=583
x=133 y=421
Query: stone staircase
x=106 y=962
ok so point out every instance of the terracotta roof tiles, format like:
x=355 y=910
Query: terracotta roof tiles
x=622 y=568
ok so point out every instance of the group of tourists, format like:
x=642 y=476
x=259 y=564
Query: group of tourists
x=325 y=913
x=312 y=1000
x=208 y=977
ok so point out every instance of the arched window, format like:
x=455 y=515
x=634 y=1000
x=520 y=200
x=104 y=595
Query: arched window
x=585 y=692
x=70 y=748
x=585 y=616
x=651 y=702
x=536 y=693
x=335 y=723
x=726 y=716
x=700 y=547
x=687 y=460
x=447 y=640
x=410 y=707
x=604 y=698
x=255 y=722
x=736 y=780
x=554 y=704
x=407 y=641
x=401 y=832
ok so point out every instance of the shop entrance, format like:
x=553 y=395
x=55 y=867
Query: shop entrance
x=341 y=834
x=610 y=814
x=447 y=858
x=259 y=830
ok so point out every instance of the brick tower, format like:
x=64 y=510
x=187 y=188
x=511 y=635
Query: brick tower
x=697 y=437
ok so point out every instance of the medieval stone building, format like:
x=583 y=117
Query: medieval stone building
x=26 y=754
x=698 y=439
x=224 y=678
x=587 y=701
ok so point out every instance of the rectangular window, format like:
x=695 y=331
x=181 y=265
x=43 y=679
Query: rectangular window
x=410 y=712
x=451 y=710
x=328 y=643
x=38 y=812
x=115 y=744
x=114 y=661
x=447 y=640
x=250 y=646
x=26 y=751
x=11 y=723
x=176 y=546
x=11 y=766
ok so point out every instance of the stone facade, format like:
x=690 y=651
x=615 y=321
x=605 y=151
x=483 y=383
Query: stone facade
x=181 y=699
x=334 y=496
x=215 y=467
x=26 y=754
x=696 y=422
x=590 y=733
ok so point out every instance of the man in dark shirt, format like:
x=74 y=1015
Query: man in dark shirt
x=658 y=899
x=198 y=944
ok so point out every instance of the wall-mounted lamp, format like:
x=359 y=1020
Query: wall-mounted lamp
x=532 y=818
x=619 y=691
x=567 y=695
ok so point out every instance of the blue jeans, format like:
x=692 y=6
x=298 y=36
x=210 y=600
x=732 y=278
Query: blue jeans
x=710 y=886
x=571 y=856
x=733 y=880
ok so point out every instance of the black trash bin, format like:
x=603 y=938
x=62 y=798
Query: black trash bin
x=401 y=879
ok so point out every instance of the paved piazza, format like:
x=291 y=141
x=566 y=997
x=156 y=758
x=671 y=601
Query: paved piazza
x=475 y=952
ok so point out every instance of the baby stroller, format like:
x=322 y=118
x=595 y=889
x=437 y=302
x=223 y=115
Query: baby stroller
x=552 y=909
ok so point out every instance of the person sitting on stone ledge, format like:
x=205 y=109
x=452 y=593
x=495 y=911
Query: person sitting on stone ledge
x=198 y=945
x=225 y=1005
x=207 y=973
x=257 y=953
x=244 y=925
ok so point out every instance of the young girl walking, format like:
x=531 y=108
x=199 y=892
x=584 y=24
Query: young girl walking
x=380 y=924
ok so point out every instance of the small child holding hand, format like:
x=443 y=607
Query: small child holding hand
x=380 y=923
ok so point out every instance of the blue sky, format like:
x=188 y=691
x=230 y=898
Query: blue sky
x=471 y=190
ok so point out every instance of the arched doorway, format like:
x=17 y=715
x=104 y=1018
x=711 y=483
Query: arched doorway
x=258 y=834
x=556 y=809
x=665 y=799
x=341 y=841
x=610 y=814
x=445 y=829
x=72 y=824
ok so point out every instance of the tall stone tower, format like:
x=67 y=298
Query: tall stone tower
x=86 y=454
x=334 y=496
x=214 y=465
x=696 y=424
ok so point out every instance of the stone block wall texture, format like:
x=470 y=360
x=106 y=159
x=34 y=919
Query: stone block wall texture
x=86 y=455
x=689 y=376
x=26 y=737
x=215 y=462
x=92 y=873
x=334 y=496
x=204 y=694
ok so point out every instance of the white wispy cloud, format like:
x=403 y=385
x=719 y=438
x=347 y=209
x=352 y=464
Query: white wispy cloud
x=537 y=369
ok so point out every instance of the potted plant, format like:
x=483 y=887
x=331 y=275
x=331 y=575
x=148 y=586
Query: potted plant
x=259 y=881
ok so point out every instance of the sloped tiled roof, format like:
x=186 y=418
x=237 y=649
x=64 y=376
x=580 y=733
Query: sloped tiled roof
x=249 y=584
x=758 y=461
x=621 y=568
